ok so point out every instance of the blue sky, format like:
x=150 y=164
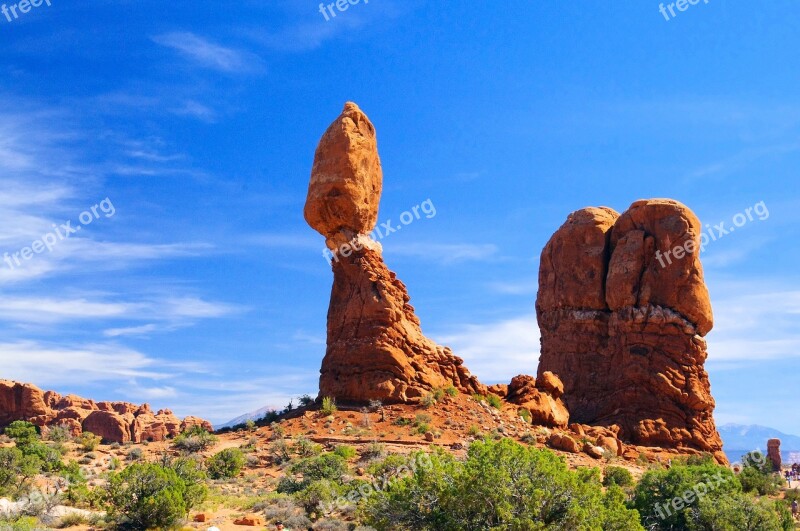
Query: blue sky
x=206 y=292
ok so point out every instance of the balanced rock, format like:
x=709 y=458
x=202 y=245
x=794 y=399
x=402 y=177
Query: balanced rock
x=119 y=422
x=375 y=348
x=622 y=324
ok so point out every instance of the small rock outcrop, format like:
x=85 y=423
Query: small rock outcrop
x=375 y=347
x=120 y=422
x=542 y=398
x=622 y=319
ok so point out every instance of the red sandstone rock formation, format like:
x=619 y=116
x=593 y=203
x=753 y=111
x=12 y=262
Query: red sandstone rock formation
x=624 y=334
x=376 y=349
x=774 y=453
x=113 y=421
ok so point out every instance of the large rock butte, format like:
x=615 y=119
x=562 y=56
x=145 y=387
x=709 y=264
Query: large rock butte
x=375 y=348
x=120 y=422
x=625 y=333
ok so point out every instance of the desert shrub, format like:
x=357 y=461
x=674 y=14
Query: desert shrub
x=473 y=430
x=147 y=495
x=191 y=471
x=279 y=451
x=373 y=450
x=666 y=499
x=525 y=414
x=326 y=466
x=741 y=512
x=494 y=401
x=451 y=390
x=757 y=476
x=17 y=471
x=283 y=508
x=195 y=439
x=501 y=485
x=73 y=520
x=317 y=493
x=59 y=434
x=226 y=464
x=428 y=401
x=345 y=452
x=22 y=523
x=135 y=454
x=306 y=448
x=306 y=400
x=250 y=425
x=89 y=441
x=330 y=524
x=328 y=406
x=616 y=475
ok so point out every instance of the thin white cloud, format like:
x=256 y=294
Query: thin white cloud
x=753 y=322
x=169 y=310
x=444 y=253
x=496 y=352
x=208 y=54
x=57 y=366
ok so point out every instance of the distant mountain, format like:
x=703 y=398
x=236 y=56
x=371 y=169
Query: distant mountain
x=739 y=440
x=253 y=415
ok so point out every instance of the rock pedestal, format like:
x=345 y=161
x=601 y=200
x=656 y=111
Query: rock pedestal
x=774 y=454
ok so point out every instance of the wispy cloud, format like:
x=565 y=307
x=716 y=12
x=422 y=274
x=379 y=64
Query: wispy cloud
x=499 y=350
x=170 y=310
x=208 y=54
x=754 y=322
x=445 y=253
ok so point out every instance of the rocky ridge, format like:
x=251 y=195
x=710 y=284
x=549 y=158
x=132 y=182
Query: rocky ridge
x=119 y=422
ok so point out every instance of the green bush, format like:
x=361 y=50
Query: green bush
x=306 y=448
x=195 y=439
x=191 y=471
x=757 y=476
x=17 y=471
x=147 y=495
x=494 y=401
x=345 y=452
x=739 y=512
x=667 y=499
x=502 y=485
x=325 y=466
x=22 y=432
x=89 y=441
x=328 y=406
x=616 y=475
x=451 y=391
x=226 y=464
x=317 y=493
